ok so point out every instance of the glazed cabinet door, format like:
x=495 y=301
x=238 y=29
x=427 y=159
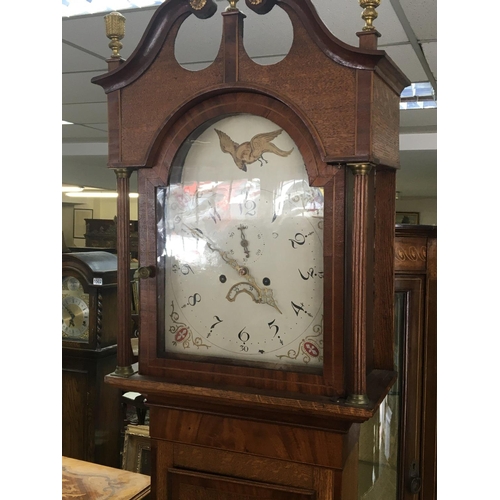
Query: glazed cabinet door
x=397 y=448
x=390 y=441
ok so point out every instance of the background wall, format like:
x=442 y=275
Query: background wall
x=426 y=207
x=103 y=208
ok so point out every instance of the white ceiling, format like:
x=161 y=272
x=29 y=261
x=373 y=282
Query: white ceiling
x=409 y=36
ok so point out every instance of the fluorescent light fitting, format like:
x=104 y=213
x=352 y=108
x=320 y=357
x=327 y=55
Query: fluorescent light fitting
x=99 y=194
x=72 y=189
x=67 y=123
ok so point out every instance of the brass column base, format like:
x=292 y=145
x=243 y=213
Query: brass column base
x=358 y=400
x=123 y=371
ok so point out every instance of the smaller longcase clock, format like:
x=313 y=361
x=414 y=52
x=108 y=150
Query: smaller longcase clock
x=89 y=300
x=240 y=244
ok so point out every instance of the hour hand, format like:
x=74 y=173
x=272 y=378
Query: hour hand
x=244 y=241
x=265 y=295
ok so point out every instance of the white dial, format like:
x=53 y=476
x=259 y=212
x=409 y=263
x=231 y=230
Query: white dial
x=242 y=249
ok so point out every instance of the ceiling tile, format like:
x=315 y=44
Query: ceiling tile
x=430 y=52
x=77 y=88
x=198 y=40
x=343 y=19
x=422 y=16
x=268 y=35
x=86 y=113
x=76 y=60
x=89 y=32
x=404 y=56
x=418 y=120
x=76 y=133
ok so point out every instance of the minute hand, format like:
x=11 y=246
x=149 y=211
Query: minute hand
x=265 y=295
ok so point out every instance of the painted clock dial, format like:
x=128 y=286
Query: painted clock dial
x=75 y=310
x=240 y=240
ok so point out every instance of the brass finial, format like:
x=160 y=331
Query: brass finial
x=232 y=5
x=197 y=4
x=115 y=31
x=369 y=13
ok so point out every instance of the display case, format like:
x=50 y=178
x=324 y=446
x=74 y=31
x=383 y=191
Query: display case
x=398 y=445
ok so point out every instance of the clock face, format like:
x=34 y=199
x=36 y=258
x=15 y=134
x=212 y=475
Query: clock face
x=75 y=310
x=240 y=240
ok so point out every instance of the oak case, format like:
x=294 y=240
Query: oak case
x=222 y=429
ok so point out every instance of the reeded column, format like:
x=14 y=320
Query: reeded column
x=124 y=347
x=359 y=278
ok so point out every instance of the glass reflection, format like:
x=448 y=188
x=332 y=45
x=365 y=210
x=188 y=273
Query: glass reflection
x=379 y=436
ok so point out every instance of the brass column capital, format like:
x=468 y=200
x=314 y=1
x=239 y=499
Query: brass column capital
x=123 y=173
x=360 y=168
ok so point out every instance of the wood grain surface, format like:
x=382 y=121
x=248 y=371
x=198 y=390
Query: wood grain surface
x=88 y=481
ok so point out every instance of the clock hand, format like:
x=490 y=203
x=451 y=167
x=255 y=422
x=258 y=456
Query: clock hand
x=72 y=320
x=265 y=295
x=70 y=313
x=244 y=241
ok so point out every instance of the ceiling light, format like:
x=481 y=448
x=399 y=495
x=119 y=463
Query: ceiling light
x=67 y=123
x=419 y=95
x=72 y=189
x=79 y=7
x=98 y=194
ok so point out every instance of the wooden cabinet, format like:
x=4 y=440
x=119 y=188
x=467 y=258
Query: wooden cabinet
x=91 y=413
x=101 y=233
x=403 y=465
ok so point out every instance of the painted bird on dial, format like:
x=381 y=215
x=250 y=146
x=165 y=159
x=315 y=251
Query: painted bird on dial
x=251 y=151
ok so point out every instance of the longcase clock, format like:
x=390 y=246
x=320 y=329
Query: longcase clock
x=90 y=409
x=266 y=232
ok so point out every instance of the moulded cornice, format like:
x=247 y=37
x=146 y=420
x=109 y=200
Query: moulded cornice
x=171 y=11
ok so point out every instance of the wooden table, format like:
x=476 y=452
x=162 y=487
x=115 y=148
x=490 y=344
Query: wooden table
x=88 y=481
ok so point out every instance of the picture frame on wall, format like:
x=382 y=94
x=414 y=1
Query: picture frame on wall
x=407 y=218
x=79 y=224
x=137 y=449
